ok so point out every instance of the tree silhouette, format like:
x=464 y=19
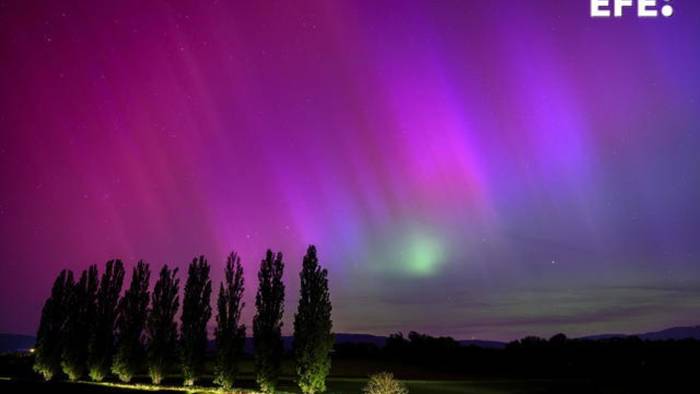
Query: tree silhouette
x=196 y=311
x=230 y=333
x=101 y=347
x=313 y=340
x=80 y=315
x=161 y=328
x=267 y=324
x=47 y=353
x=131 y=319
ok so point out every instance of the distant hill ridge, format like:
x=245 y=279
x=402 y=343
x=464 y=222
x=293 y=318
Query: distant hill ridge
x=14 y=342
x=674 y=333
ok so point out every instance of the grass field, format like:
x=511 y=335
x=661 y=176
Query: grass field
x=348 y=377
x=335 y=386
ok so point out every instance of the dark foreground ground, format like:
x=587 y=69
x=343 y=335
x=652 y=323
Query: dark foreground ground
x=530 y=366
x=354 y=385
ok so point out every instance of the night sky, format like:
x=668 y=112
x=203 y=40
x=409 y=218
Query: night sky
x=487 y=169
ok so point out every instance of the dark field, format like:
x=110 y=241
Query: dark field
x=354 y=385
x=542 y=367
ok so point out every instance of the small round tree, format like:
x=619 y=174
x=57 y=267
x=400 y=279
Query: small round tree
x=384 y=383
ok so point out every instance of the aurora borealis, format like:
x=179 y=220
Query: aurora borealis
x=486 y=169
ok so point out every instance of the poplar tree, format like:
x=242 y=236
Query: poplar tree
x=161 y=329
x=267 y=324
x=230 y=333
x=196 y=312
x=131 y=319
x=80 y=315
x=313 y=340
x=47 y=351
x=101 y=347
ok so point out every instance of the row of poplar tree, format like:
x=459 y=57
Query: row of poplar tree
x=86 y=328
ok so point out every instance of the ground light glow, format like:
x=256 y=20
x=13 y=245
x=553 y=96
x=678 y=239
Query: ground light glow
x=151 y=387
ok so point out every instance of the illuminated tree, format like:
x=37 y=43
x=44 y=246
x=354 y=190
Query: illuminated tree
x=384 y=383
x=161 y=328
x=47 y=353
x=267 y=324
x=131 y=319
x=313 y=339
x=230 y=334
x=101 y=347
x=80 y=315
x=196 y=312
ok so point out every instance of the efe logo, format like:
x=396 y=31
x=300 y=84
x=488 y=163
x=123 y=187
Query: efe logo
x=645 y=8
